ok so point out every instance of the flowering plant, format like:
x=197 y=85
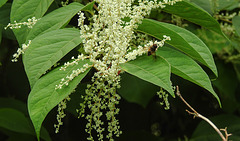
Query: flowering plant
x=112 y=38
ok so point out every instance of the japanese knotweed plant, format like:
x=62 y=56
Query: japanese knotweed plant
x=115 y=38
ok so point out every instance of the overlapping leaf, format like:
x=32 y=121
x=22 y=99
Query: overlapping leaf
x=44 y=97
x=9 y=121
x=195 y=14
x=2 y=2
x=155 y=71
x=5 y=14
x=205 y=4
x=136 y=90
x=46 y=49
x=186 y=68
x=28 y=9
x=16 y=121
x=182 y=39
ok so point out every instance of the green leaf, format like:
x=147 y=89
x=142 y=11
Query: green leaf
x=205 y=4
x=181 y=39
x=25 y=9
x=46 y=49
x=14 y=104
x=5 y=14
x=89 y=8
x=136 y=90
x=2 y=2
x=15 y=121
x=155 y=71
x=5 y=19
x=54 y=20
x=227 y=4
x=227 y=85
x=186 y=68
x=204 y=132
x=195 y=14
x=43 y=97
x=236 y=24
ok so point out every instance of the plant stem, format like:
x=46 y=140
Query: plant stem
x=196 y=114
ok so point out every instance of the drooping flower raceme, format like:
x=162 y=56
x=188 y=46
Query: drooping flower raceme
x=108 y=42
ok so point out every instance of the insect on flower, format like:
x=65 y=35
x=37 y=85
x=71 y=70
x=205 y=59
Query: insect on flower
x=152 y=50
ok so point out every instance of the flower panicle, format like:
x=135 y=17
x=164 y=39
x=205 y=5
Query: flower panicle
x=75 y=73
x=20 y=51
x=108 y=42
x=75 y=61
x=30 y=23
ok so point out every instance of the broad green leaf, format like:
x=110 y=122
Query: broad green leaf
x=205 y=4
x=186 y=68
x=181 y=39
x=155 y=71
x=44 y=97
x=5 y=14
x=227 y=4
x=2 y=2
x=227 y=86
x=16 y=121
x=22 y=10
x=54 y=20
x=136 y=90
x=89 y=8
x=236 y=24
x=195 y=14
x=14 y=104
x=204 y=132
x=5 y=19
x=46 y=49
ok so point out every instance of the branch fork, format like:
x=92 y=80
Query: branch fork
x=196 y=114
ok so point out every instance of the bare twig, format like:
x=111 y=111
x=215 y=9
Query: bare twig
x=196 y=114
x=226 y=133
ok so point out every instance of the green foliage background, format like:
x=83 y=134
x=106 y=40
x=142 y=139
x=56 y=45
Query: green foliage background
x=186 y=59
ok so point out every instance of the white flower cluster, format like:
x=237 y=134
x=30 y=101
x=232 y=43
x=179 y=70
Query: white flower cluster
x=75 y=73
x=74 y=62
x=30 y=23
x=107 y=41
x=20 y=51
